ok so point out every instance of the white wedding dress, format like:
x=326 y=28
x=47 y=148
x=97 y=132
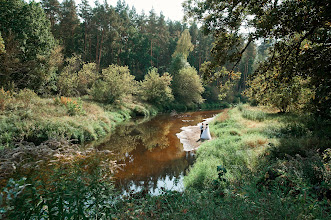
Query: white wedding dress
x=206 y=134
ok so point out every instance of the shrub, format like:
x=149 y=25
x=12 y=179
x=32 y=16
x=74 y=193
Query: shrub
x=26 y=96
x=74 y=107
x=156 y=89
x=116 y=84
x=4 y=98
x=86 y=77
x=187 y=86
x=68 y=79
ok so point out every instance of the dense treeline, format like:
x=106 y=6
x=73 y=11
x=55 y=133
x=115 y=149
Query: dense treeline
x=39 y=43
x=58 y=48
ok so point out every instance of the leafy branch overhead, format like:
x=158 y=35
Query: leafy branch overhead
x=300 y=31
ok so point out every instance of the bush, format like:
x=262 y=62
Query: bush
x=68 y=79
x=4 y=98
x=74 y=107
x=86 y=77
x=187 y=86
x=26 y=96
x=116 y=84
x=155 y=89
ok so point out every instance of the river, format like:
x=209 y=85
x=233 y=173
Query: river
x=152 y=157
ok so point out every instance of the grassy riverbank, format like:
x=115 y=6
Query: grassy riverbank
x=260 y=165
x=34 y=119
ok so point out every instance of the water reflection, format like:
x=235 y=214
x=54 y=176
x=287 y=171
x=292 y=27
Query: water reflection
x=152 y=156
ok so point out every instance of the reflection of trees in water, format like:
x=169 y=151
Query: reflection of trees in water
x=155 y=133
x=172 y=170
x=152 y=134
x=151 y=151
x=122 y=140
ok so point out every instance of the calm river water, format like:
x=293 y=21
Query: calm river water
x=152 y=156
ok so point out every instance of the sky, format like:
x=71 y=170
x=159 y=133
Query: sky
x=171 y=9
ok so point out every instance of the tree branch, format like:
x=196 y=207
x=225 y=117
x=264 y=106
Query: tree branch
x=241 y=53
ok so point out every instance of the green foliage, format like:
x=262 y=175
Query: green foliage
x=4 y=98
x=2 y=45
x=27 y=96
x=253 y=115
x=156 y=89
x=229 y=79
x=214 y=105
x=187 y=86
x=74 y=107
x=300 y=31
x=68 y=78
x=291 y=95
x=116 y=84
x=66 y=192
x=177 y=63
x=86 y=77
x=36 y=120
x=284 y=165
x=26 y=34
x=77 y=78
x=184 y=45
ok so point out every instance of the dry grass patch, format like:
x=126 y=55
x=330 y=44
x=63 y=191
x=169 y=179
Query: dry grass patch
x=223 y=116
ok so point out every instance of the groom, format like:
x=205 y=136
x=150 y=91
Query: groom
x=201 y=128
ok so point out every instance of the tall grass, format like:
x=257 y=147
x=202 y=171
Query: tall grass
x=275 y=170
x=36 y=120
x=271 y=174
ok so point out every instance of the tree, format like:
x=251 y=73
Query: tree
x=86 y=76
x=300 y=29
x=187 y=86
x=2 y=45
x=184 y=45
x=177 y=63
x=291 y=95
x=115 y=84
x=52 y=10
x=156 y=89
x=85 y=12
x=68 y=79
x=69 y=23
x=246 y=65
x=28 y=39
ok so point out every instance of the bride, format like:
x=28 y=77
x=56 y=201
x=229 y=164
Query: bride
x=206 y=134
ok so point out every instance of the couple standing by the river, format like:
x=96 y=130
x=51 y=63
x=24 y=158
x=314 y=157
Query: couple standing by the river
x=205 y=133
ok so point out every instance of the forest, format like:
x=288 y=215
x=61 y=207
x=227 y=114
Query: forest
x=70 y=73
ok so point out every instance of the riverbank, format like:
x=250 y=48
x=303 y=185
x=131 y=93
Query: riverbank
x=190 y=135
x=36 y=120
x=260 y=165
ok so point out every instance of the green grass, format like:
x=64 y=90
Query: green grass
x=276 y=168
x=274 y=164
x=42 y=119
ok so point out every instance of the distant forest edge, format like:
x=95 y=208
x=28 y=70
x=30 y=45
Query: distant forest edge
x=110 y=53
x=57 y=48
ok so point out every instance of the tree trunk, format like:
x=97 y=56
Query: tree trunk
x=85 y=42
x=103 y=31
x=96 y=51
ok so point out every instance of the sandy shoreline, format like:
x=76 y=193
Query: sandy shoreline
x=190 y=135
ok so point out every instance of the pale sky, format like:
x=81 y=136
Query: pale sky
x=171 y=9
